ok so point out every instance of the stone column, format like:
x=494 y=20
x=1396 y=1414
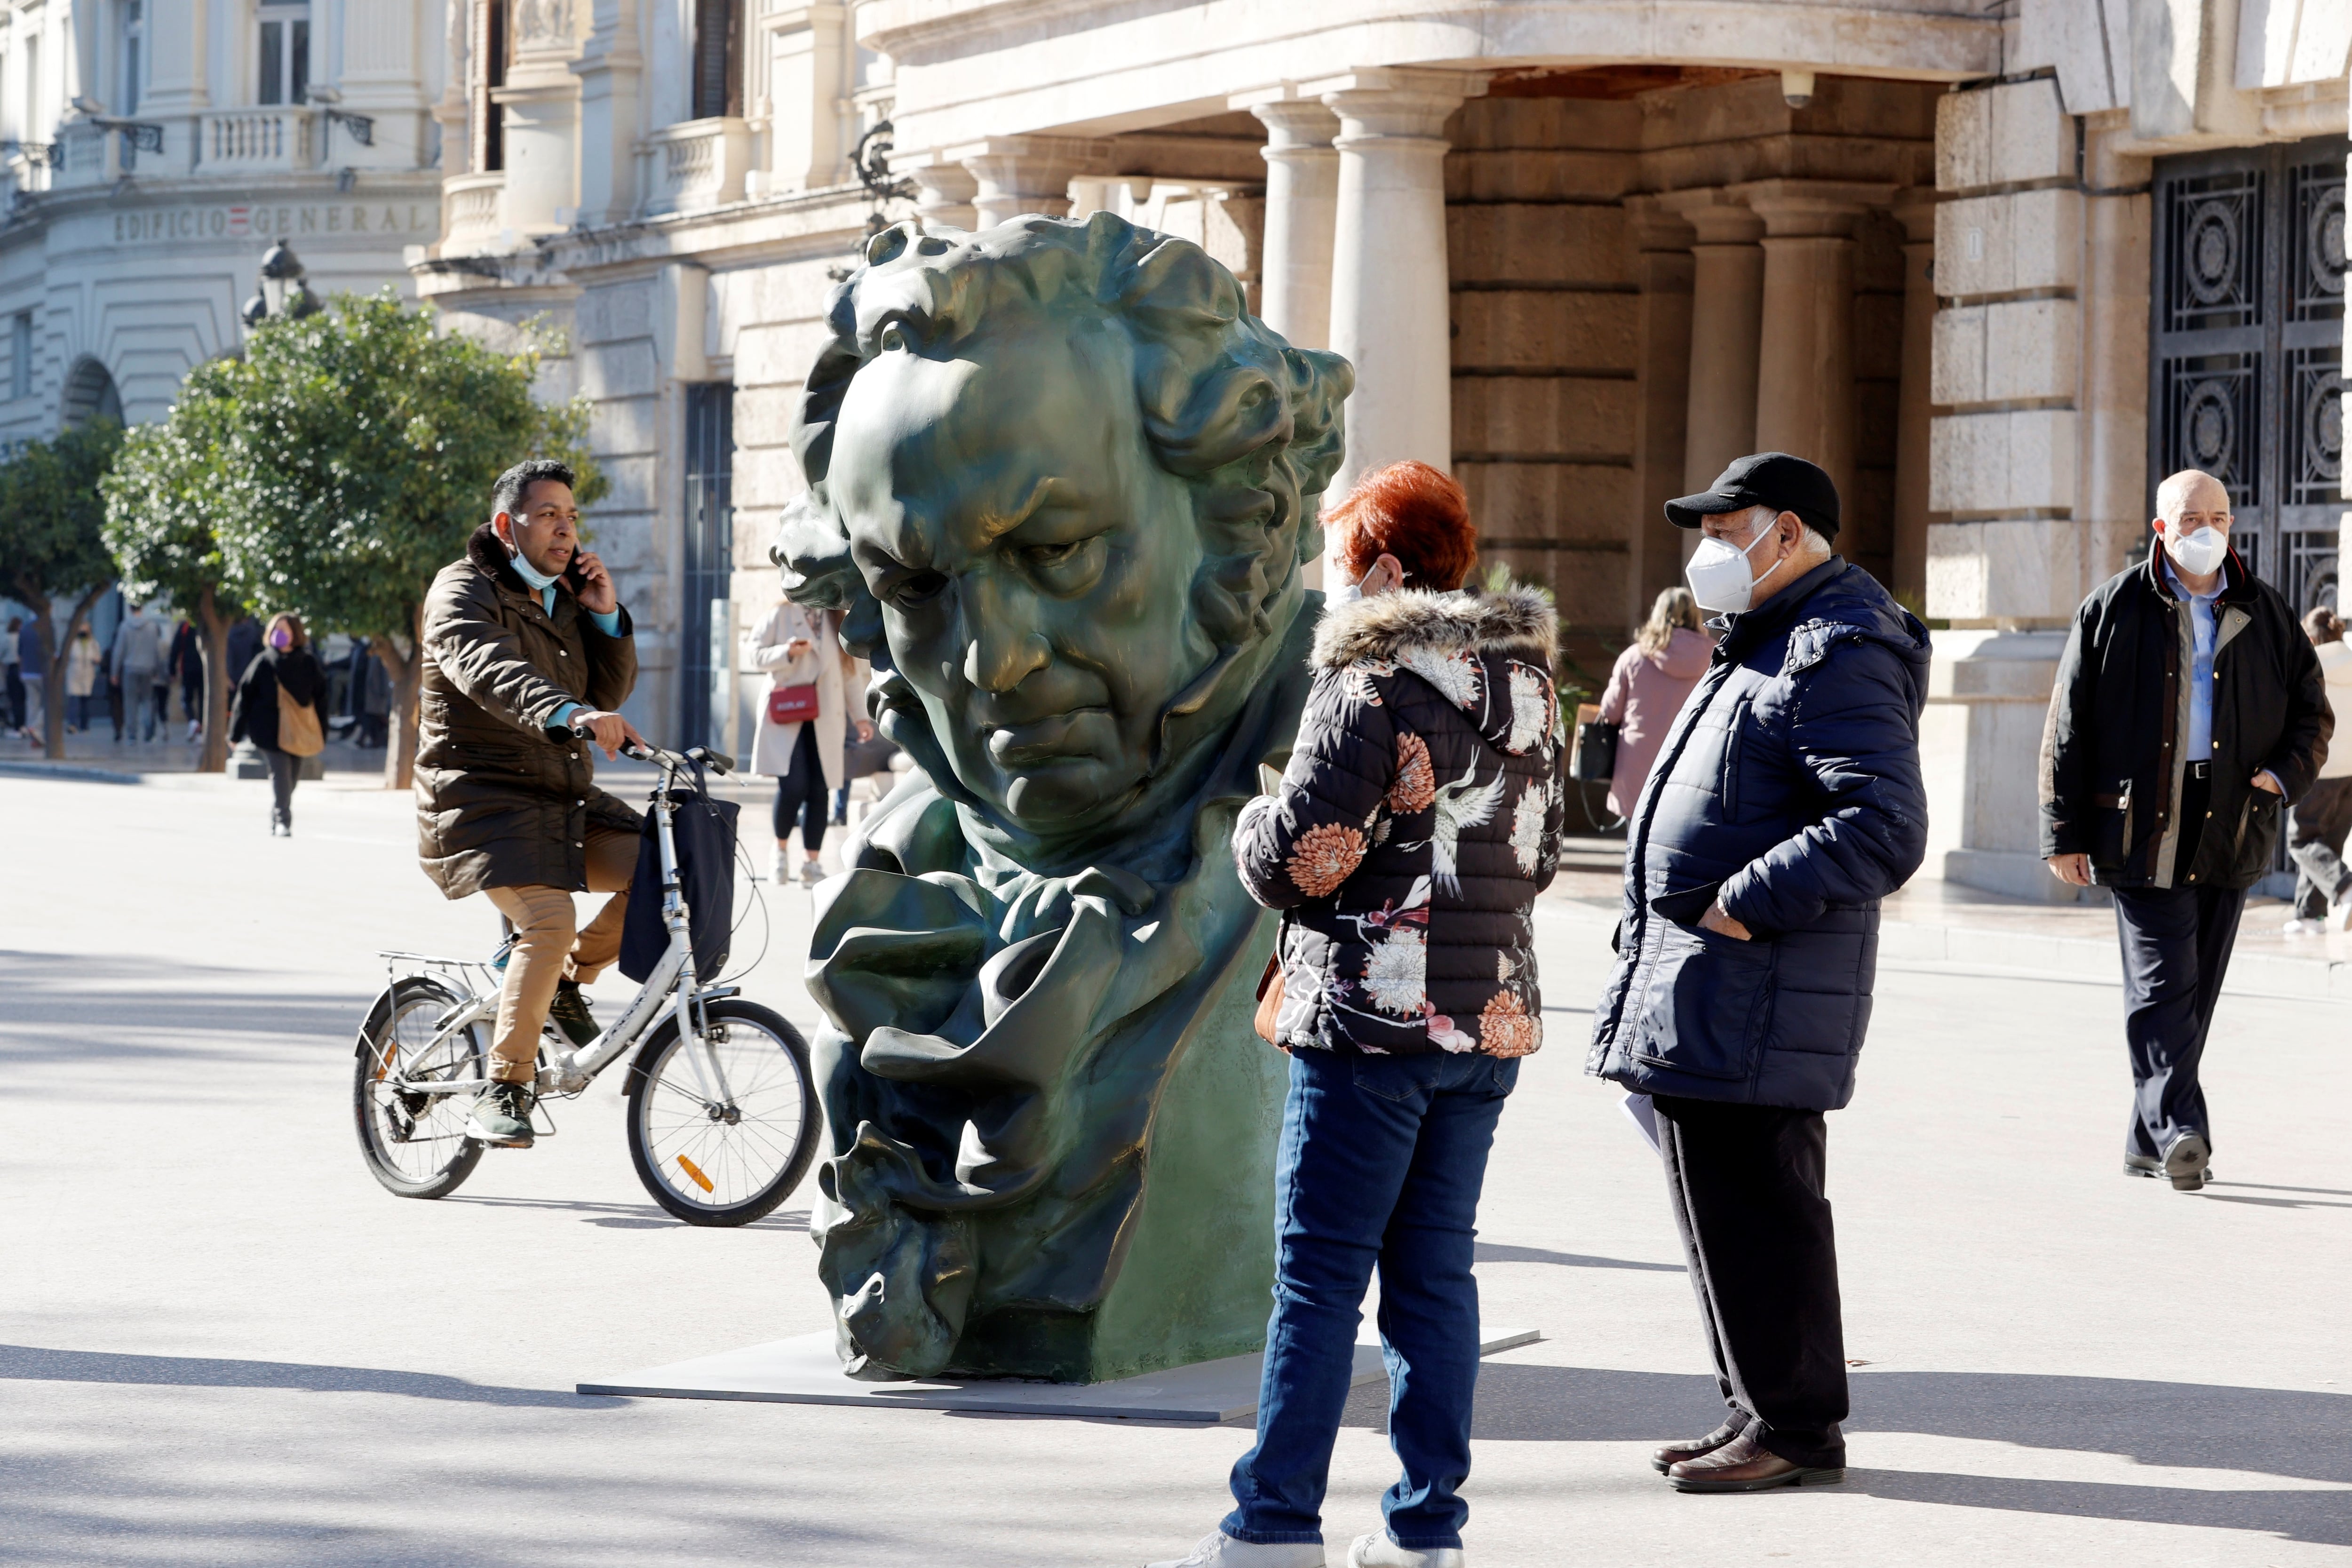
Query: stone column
x=1390 y=307
x=1918 y=216
x=610 y=70
x=1663 y=270
x=1804 y=360
x=1726 y=332
x=1017 y=175
x=1302 y=204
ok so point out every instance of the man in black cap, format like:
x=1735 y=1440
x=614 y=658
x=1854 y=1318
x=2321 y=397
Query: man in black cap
x=1785 y=804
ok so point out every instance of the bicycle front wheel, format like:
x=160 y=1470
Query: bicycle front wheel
x=415 y=1145
x=723 y=1129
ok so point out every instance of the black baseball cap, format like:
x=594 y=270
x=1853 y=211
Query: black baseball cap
x=1764 y=478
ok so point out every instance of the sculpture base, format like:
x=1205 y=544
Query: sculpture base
x=806 y=1370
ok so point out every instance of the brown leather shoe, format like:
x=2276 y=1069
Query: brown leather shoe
x=1667 y=1456
x=1744 y=1465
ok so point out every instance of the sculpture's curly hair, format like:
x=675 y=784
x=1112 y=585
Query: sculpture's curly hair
x=1226 y=404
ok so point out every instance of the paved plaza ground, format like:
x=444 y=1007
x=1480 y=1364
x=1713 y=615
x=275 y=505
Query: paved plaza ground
x=221 y=1342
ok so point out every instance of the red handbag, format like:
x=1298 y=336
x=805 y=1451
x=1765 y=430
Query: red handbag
x=792 y=704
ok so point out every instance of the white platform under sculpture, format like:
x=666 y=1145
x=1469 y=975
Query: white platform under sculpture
x=806 y=1370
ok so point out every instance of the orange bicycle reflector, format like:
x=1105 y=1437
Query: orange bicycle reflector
x=696 y=1172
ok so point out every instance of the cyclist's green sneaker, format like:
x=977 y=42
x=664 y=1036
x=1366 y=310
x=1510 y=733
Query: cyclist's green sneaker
x=569 y=1012
x=501 y=1115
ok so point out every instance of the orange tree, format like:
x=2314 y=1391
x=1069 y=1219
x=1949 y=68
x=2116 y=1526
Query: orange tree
x=51 y=548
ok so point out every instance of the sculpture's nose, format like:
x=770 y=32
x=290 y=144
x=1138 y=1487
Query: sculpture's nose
x=1004 y=645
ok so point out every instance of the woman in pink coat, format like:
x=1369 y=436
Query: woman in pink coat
x=1647 y=687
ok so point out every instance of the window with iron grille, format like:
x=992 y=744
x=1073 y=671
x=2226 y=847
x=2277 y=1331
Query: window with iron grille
x=705 y=665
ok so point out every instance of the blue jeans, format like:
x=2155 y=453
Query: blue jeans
x=1381 y=1161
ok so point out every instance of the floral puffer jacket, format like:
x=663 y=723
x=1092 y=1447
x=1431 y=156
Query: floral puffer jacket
x=1417 y=821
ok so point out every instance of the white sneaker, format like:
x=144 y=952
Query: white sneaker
x=812 y=873
x=1218 y=1550
x=779 y=870
x=2339 y=917
x=1380 y=1550
x=2298 y=926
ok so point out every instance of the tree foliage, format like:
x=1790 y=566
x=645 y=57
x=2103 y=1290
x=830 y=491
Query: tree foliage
x=52 y=547
x=356 y=460
x=164 y=521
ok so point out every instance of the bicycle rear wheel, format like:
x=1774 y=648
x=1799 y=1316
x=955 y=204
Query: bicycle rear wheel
x=415 y=1145
x=723 y=1156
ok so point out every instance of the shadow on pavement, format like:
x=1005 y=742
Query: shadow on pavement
x=631 y=1216
x=2282 y=1432
x=1489 y=1252
x=154 y=1008
x=34 y=1365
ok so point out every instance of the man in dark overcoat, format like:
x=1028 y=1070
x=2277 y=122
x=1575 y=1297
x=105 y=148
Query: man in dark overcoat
x=2189 y=711
x=1785 y=804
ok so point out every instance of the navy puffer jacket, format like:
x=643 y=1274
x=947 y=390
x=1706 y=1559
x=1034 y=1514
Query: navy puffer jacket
x=1788 y=788
x=1416 y=822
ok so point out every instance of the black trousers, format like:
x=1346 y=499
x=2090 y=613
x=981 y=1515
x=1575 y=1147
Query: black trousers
x=285 y=773
x=2175 y=945
x=1747 y=1185
x=800 y=794
x=2316 y=828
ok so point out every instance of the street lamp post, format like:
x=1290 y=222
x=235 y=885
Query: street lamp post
x=285 y=289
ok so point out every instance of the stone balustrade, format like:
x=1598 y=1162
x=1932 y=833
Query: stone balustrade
x=696 y=166
x=472 y=204
x=254 y=141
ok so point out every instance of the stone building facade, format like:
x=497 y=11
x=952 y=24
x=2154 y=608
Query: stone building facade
x=1581 y=255
x=153 y=151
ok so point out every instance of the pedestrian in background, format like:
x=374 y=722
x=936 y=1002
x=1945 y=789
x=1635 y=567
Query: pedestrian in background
x=1647 y=687
x=287 y=667
x=244 y=643
x=1788 y=802
x=370 y=696
x=801 y=728
x=1417 y=821
x=2190 y=708
x=84 y=662
x=2316 y=825
x=138 y=670
x=33 y=668
x=12 y=657
x=186 y=666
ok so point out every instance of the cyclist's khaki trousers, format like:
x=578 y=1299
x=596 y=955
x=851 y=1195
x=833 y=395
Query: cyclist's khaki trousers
x=548 y=948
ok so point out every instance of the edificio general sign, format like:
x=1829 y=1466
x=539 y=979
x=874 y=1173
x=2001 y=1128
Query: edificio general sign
x=241 y=220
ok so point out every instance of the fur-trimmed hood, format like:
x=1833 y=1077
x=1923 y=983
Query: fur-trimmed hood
x=1387 y=628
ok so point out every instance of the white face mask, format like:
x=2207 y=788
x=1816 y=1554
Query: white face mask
x=1348 y=593
x=1718 y=573
x=2197 y=553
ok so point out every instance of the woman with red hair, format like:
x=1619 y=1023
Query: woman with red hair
x=1418 y=819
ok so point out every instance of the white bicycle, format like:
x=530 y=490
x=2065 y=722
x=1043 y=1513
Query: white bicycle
x=723 y=1112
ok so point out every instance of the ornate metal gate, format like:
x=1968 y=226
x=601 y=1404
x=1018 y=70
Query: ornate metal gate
x=2245 y=371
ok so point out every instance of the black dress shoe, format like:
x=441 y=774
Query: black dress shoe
x=1744 y=1465
x=2186 y=1162
x=1668 y=1456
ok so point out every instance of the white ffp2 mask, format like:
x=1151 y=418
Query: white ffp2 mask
x=1719 y=576
x=2197 y=553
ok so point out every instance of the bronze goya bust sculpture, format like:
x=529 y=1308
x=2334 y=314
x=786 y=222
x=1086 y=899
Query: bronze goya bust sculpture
x=1063 y=486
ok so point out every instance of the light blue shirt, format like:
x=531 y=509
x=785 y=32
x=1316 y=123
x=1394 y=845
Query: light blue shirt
x=609 y=622
x=2205 y=623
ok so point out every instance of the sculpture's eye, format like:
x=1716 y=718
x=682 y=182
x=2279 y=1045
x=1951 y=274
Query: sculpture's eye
x=892 y=337
x=1053 y=555
x=916 y=589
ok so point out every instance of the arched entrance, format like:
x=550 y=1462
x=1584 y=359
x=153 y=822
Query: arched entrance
x=90 y=393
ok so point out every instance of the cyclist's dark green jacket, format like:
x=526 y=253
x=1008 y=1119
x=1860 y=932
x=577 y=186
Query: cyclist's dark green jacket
x=500 y=803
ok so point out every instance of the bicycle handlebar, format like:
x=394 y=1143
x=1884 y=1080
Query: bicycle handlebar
x=673 y=762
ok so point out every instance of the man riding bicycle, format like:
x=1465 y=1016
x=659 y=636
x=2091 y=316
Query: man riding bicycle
x=528 y=653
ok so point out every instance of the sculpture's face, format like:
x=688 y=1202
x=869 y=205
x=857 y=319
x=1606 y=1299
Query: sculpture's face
x=1033 y=564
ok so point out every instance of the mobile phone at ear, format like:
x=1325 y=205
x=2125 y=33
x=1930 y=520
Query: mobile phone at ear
x=574 y=574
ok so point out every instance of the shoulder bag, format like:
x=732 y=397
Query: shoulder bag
x=792 y=704
x=297 y=726
x=1595 y=761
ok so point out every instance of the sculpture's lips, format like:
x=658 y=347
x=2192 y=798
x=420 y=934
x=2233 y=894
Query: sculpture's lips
x=1039 y=741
